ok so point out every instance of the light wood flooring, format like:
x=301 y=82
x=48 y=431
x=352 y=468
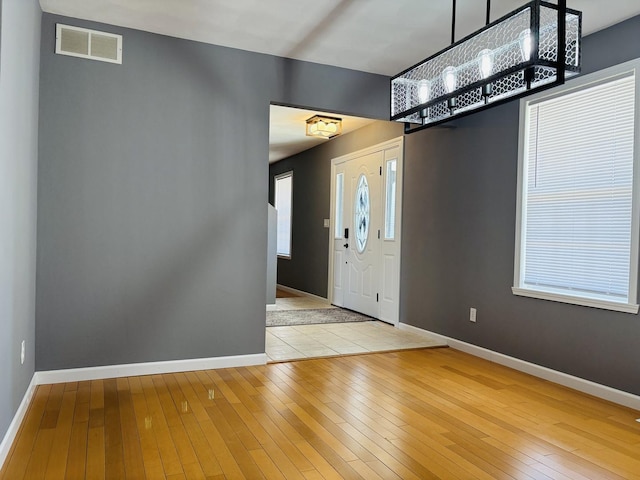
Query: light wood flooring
x=281 y=293
x=300 y=303
x=418 y=414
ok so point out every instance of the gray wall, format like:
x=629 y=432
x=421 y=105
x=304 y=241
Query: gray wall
x=458 y=245
x=272 y=255
x=152 y=231
x=19 y=65
x=308 y=268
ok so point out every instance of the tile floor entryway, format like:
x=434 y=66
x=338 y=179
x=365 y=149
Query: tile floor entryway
x=326 y=340
x=331 y=339
x=300 y=303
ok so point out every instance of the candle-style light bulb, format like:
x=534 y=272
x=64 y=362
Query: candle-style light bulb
x=424 y=90
x=485 y=63
x=450 y=80
x=526 y=44
x=449 y=77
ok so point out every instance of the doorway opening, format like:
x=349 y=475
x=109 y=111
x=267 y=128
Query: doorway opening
x=306 y=271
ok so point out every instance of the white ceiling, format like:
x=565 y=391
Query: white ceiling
x=379 y=36
x=287 y=128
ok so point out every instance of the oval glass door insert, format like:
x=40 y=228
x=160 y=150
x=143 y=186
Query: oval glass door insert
x=361 y=216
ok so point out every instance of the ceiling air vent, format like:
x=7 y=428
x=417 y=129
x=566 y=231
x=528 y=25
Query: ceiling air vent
x=84 y=43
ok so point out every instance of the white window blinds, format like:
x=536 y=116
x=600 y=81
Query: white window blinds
x=577 y=195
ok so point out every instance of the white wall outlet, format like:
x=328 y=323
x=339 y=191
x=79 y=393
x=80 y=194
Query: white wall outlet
x=472 y=314
x=22 y=352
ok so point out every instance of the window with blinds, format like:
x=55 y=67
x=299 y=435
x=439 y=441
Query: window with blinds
x=577 y=240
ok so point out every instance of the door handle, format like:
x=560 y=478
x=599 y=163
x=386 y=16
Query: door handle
x=346 y=245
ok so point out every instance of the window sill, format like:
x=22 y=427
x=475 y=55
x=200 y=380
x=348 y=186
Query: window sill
x=585 y=302
x=285 y=257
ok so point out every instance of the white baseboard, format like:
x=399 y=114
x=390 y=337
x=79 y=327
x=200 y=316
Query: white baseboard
x=301 y=293
x=14 y=426
x=586 y=386
x=271 y=307
x=150 y=368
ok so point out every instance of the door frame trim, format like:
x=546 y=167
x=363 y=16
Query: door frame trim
x=394 y=142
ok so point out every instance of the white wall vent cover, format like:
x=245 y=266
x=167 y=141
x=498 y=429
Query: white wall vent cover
x=84 y=43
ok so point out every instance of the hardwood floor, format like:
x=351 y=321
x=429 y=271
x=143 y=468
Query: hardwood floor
x=416 y=414
x=280 y=293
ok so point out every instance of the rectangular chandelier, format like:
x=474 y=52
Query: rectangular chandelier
x=509 y=58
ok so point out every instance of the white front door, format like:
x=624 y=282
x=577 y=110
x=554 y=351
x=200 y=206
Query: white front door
x=365 y=247
x=361 y=213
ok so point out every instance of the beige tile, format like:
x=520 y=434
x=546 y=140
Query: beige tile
x=278 y=330
x=327 y=339
x=351 y=349
x=274 y=342
x=271 y=338
x=282 y=349
x=277 y=357
x=320 y=352
x=376 y=345
x=309 y=329
x=304 y=344
x=308 y=341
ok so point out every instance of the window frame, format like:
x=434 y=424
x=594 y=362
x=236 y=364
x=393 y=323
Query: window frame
x=276 y=178
x=580 y=83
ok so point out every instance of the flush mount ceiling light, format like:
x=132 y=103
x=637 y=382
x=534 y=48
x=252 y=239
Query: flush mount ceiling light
x=323 y=127
x=509 y=58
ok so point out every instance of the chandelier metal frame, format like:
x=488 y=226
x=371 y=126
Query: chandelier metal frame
x=509 y=58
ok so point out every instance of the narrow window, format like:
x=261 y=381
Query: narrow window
x=283 y=204
x=361 y=209
x=390 y=200
x=339 y=224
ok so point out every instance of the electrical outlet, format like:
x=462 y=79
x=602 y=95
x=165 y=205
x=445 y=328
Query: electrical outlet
x=22 y=352
x=472 y=314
